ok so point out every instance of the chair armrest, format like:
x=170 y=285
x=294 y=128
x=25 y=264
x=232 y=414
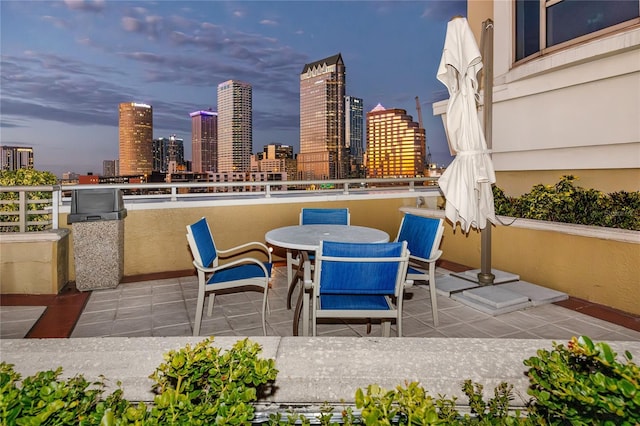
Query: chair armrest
x=420 y=261
x=244 y=260
x=247 y=247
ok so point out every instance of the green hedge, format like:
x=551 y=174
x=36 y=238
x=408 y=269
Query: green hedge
x=579 y=384
x=565 y=202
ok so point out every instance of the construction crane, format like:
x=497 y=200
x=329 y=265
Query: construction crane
x=419 y=109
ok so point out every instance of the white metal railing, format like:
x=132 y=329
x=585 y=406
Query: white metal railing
x=16 y=200
x=29 y=208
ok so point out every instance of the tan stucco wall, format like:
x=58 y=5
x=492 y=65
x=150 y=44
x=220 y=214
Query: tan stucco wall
x=516 y=183
x=155 y=240
x=478 y=11
x=34 y=263
x=598 y=270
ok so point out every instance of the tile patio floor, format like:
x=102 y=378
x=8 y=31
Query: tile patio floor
x=167 y=308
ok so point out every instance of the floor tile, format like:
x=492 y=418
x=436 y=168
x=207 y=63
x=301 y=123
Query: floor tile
x=167 y=308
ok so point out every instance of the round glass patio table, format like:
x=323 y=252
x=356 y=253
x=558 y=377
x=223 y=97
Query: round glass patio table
x=307 y=238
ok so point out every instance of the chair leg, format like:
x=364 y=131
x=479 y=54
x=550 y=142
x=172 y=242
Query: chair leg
x=212 y=298
x=265 y=305
x=296 y=277
x=291 y=281
x=199 y=309
x=432 y=292
x=386 y=328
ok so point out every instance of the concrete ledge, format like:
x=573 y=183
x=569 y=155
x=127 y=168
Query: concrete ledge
x=311 y=370
x=34 y=262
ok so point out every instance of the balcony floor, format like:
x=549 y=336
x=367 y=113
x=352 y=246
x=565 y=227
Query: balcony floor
x=166 y=307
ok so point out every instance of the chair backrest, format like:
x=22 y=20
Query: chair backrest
x=325 y=216
x=201 y=243
x=361 y=268
x=422 y=234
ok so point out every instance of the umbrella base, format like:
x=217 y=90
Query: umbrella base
x=500 y=277
x=509 y=297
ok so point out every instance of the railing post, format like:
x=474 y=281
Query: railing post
x=174 y=192
x=267 y=191
x=22 y=211
x=412 y=186
x=56 y=200
x=345 y=191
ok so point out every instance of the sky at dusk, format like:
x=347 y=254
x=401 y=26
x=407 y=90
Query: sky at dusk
x=66 y=65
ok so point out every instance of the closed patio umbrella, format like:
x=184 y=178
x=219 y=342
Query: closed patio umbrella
x=466 y=183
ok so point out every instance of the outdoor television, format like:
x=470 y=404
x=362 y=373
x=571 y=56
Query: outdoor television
x=96 y=204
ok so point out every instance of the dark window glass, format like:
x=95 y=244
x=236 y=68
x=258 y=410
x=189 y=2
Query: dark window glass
x=570 y=19
x=527 y=28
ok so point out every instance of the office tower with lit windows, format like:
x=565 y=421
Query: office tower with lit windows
x=16 y=157
x=168 y=154
x=204 y=141
x=110 y=168
x=235 y=126
x=276 y=157
x=136 y=139
x=323 y=152
x=354 y=135
x=395 y=144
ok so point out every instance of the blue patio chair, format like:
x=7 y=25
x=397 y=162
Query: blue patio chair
x=423 y=236
x=240 y=273
x=339 y=216
x=312 y=216
x=360 y=280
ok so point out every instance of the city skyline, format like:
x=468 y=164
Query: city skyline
x=67 y=65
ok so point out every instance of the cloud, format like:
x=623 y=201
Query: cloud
x=57 y=22
x=439 y=10
x=86 y=5
x=269 y=22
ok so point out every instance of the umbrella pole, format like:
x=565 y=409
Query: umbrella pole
x=485 y=276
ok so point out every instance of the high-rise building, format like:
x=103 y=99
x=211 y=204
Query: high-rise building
x=110 y=168
x=235 y=126
x=322 y=120
x=395 y=144
x=354 y=135
x=16 y=157
x=204 y=141
x=276 y=158
x=136 y=139
x=168 y=154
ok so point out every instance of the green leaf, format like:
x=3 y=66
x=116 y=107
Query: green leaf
x=627 y=388
x=605 y=352
x=585 y=341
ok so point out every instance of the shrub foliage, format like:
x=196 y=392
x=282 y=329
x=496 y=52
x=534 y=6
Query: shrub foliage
x=565 y=202
x=580 y=384
x=9 y=204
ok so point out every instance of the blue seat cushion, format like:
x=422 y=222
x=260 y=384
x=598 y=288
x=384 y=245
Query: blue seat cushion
x=357 y=302
x=240 y=272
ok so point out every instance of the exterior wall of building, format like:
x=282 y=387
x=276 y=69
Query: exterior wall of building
x=16 y=157
x=354 y=135
x=396 y=144
x=204 y=141
x=136 y=139
x=572 y=109
x=322 y=120
x=168 y=154
x=235 y=137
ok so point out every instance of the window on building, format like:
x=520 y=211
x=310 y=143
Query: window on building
x=544 y=24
